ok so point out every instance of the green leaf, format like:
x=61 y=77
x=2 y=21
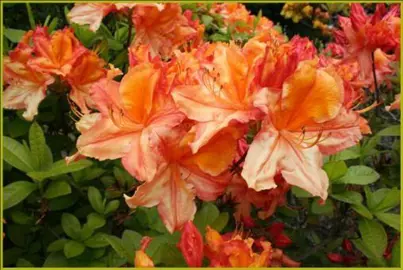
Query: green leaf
x=95 y=221
x=206 y=216
x=55 y=259
x=115 y=45
x=206 y=20
x=374 y=198
x=390 y=200
x=39 y=149
x=358 y=175
x=71 y=225
x=53 y=25
x=96 y=241
x=390 y=131
x=117 y=244
x=123 y=177
x=393 y=220
x=395 y=262
x=111 y=207
x=300 y=193
x=131 y=242
x=349 y=153
x=368 y=252
x=362 y=210
x=18 y=127
x=318 y=209
x=219 y=37
x=20 y=217
x=17 y=155
x=30 y=16
x=351 y=197
x=14 y=35
x=21 y=262
x=57 y=245
x=16 y=192
x=57 y=188
x=95 y=198
x=73 y=249
x=60 y=167
x=373 y=236
x=220 y=223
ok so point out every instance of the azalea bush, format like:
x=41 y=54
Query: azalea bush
x=201 y=135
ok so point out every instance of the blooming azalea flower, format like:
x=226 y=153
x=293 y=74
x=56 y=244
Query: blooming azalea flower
x=135 y=115
x=93 y=13
x=186 y=176
x=221 y=93
x=26 y=87
x=363 y=34
x=165 y=30
x=55 y=54
x=307 y=119
x=87 y=70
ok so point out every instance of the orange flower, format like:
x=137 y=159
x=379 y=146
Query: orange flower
x=92 y=14
x=235 y=252
x=26 y=87
x=141 y=259
x=308 y=119
x=136 y=114
x=186 y=176
x=87 y=70
x=220 y=93
x=363 y=34
x=266 y=201
x=165 y=30
x=395 y=104
x=191 y=245
x=57 y=53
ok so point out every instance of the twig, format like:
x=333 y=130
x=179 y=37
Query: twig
x=235 y=166
x=377 y=96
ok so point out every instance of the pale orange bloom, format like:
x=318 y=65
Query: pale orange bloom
x=307 y=120
x=26 y=87
x=221 y=93
x=395 y=104
x=87 y=70
x=90 y=14
x=236 y=14
x=93 y=13
x=165 y=30
x=187 y=175
x=136 y=114
x=57 y=53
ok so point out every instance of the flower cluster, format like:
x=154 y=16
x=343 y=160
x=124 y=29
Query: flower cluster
x=177 y=117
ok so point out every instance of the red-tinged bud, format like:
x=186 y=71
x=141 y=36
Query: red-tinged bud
x=321 y=202
x=191 y=245
x=282 y=241
x=276 y=229
x=347 y=246
x=248 y=222
x=335 y=257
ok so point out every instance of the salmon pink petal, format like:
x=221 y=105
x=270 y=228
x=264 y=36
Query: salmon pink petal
x=263 y=157
x=104 y=140
x=177 y=204
x=25 y=95
x=207 y=187
x=89 y=14
x=150 y=194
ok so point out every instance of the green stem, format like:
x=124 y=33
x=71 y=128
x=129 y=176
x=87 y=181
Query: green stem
x=30 y=16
